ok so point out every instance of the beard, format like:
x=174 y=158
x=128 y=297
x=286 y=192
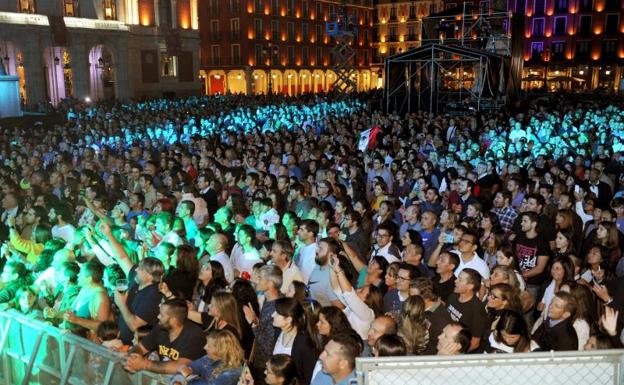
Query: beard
x=321 y=260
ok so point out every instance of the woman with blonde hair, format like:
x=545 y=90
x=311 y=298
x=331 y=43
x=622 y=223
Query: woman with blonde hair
x=222 y=364
x=225 y=313
x=412 y=327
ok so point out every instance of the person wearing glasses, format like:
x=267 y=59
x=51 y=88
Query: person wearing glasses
x=468 y=257
x=393 y=300
x=383 y=243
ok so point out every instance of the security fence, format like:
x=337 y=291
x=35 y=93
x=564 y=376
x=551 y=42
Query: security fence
x=36 y=353
x=554 y=368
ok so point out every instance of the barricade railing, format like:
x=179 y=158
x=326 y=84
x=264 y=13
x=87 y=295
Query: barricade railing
x=34 y=352
x=602 y=367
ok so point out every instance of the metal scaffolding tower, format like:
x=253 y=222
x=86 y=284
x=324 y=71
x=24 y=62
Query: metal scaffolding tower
x=343 y=28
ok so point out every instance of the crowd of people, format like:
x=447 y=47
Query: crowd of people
x=235 y=239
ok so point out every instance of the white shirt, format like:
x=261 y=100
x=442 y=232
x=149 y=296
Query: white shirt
x=201 y=208
x=476 y=263
x=306 y=260
x=280 y=348
x=245 y=261
x=360 y=316
x=66 y=233
x=385 y=252
x=290 y=274
x=224 y=260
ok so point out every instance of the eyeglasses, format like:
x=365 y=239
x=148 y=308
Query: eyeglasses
x=399 y=278
x=382 y=235
x=465 y=240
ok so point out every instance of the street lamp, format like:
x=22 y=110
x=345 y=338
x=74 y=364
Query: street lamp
x=269 y=52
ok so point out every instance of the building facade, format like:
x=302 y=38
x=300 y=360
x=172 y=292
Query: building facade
x=281 y=46
x=100 y=49
x=575 y=45
x=398 y=25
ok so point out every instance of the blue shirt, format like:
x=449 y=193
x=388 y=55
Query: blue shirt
x=204 y=367
x=320 y=286
x=347 y=380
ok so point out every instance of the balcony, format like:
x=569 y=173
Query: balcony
x=411 y=37
x=392 y=38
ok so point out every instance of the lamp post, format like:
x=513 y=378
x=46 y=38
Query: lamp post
x=269 y=52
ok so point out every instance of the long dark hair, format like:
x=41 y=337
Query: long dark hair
x=290 y=307
x=512 y=322
x=217 y=282
x=338 y=321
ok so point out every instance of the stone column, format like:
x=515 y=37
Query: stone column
x=120 y=65
x=32 y=56
x=79 y=58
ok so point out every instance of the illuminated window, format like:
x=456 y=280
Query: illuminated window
x=258 y=6
x=110 y=10
x=275 y=7
x=412 y=11
x=27 y=6
x=168 y=64
x=393 y=13
x=70 y=8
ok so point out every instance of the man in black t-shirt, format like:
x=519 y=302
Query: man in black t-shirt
x=174 y=342
x=138 y=307
x=532 y=251
x=465 y=307
x=444 y=279
x=436 y=313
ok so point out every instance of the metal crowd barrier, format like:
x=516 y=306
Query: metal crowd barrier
x=602 y=367
x=36 y=353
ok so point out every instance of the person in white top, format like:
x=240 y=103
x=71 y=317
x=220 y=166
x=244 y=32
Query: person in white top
x=360 y=304
x=200 y=215
x=281 y=256
x=468 y=258
x=216 y=249
x=62 y=229
x=306 y=234
x=243 y=262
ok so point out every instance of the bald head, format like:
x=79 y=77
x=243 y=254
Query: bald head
x=218 y=242
x=382 y=325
